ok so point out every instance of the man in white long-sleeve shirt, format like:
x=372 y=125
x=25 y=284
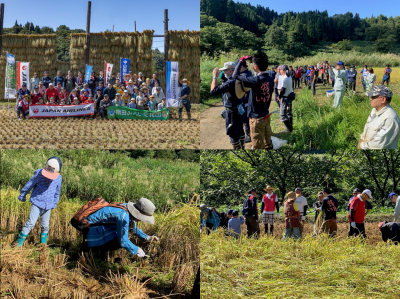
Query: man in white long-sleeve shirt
x=303 y=206
x=383 y=125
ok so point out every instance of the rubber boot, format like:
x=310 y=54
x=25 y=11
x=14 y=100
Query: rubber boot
x=189 y=116
x=180 y=116
x=288 y=126
x=21 y=239
x=237 y=146
x=271 y=230
x=266 y=229
x=242 y=143
x=43 y=238
x=247 y=139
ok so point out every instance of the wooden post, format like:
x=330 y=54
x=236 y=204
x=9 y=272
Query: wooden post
x=88 y=32
x=166 y=40
x=29 y=29
x=135 y=26
x=1 y=25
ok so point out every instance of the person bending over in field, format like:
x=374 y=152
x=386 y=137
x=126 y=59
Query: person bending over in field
x=383 y=125
x=393 y=197
x=390 y=231
x=292 y=217
x=208 y=219
x=45 y=185
x=357 y=214
x=317 y=208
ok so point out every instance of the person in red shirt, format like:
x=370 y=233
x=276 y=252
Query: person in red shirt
x=63 y=95
x=89 y=101
x=268 y=206
x=85 y=96
x=51 y=92
x=357 y=214
x=36 y=95
x=23 y=106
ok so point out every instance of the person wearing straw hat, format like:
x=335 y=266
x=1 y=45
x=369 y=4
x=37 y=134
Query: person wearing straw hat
x=130 y=86
x=329 y=207
x=262 y=86
x=357 y=214
x=208 y=219
x=184 y=98
x=110 y=226
x=232 y=103
x=268 y=206
x=23 y=106
x=46 y=186
x=292 y=217
x=394 y=198
x=340 y=77
x=382 y=130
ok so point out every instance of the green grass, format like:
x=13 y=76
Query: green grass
x=312 y=268
x=113 y=175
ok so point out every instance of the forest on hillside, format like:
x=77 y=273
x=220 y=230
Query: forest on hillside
x=226 y=25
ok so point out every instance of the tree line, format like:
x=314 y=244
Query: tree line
x=226 y=176
x=63 y=43
x=226 y=25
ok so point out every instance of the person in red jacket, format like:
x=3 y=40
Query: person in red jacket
x=36 y=95
x=297 y=76
x=268 y=206
x=51 y=92
x=357 y=214
x=85 y=96
x=23 y=106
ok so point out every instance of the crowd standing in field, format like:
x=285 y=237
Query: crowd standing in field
x=295 y=212
x=247 y=99
x=134 y=91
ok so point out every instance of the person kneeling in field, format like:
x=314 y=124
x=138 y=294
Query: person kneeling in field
x=234 y=224
x=390 y=231
x=107 y=228
x=23 y=106
x=382 y=130
x=329 y=207
x=45 y=185
x=292 y=217
x=208 y=219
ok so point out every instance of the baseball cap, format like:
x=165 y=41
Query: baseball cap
x=36 y=87
x=85 y=90
x=357 y=190
x=51 y=84
x=368 y=192
x=126 y=90
x=340 y=63
x=235 y=213
x=230 y=211
x=106 y=95
x=352 y=66
x=46 y=72
x=380 y=90
x=203 y=207
x=158 y=87
x=40 y=82
x=52 y=168
x=90 y=96
x=297 y=189
x=391 y=194
x=228 y=65
x=118 y=94
x=24 y=85
x=164 y=98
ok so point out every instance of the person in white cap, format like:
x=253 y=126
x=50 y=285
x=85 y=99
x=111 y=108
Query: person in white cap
x=114 y=234
x=46 y=186
x=357 y=214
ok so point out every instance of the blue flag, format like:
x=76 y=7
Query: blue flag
x=88 y=73
x=124 y=67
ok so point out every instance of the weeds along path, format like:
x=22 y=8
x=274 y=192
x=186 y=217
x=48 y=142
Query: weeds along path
x=88 y=133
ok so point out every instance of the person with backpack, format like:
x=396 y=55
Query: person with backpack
x=46 y=187
x=106 y=226
x=357 y=214
x=292 y=217
x=386 y=75
x=329 y=207
x=250 y=213
x=268 y=206
x=208 y=219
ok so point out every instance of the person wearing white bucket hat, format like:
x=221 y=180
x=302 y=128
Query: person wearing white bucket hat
x=109 y=226
x=46 y=186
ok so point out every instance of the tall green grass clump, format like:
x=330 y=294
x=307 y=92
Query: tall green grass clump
x=311 y=268
x=115 y=176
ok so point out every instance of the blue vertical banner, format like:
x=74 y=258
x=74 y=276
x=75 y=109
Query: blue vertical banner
x=172 y=77
x=88 y=72
x=124 y=67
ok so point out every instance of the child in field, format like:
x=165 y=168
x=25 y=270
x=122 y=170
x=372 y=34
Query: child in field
x=235 y=223
x=62 y=102
x=132 y=104
x=52 y=102
x=76 y=101
x=151 y=104
x=146 y=103
x=45 y=185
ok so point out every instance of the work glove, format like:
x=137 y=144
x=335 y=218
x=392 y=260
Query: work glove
x=303 y=218
x=245 y=58
x=201 y=230
x=141 y=253
x=23 y=199
x=353 y=224
x=277 y=215
x=150 y=238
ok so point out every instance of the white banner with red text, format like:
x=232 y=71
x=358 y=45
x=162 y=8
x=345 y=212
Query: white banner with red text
x=22 y=74
x=108 y=69
x=61 y=111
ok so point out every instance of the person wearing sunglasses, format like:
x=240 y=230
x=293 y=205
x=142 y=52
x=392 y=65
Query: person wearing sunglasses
x=382 y=128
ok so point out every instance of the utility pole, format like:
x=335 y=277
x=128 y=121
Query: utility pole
x=1 y=25
x=135 y=26
x=88 y=33
x=113 y=28
x=29 y=29
x=166 y=40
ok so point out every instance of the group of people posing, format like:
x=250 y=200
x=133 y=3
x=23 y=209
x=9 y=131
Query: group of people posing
x=247 y=99
x=133 y=91
x=295 y=212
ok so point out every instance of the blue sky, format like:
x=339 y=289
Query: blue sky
x=365 y=8
x=182 y=15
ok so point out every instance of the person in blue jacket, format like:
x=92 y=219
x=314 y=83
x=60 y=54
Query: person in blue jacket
x=184 y=99
x=58 y=79
x=46 y=79
x=208 y=219
x=352 y=77
x=114 y=234
x=45 y=185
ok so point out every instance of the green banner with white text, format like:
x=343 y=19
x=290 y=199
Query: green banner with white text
x=128 y=113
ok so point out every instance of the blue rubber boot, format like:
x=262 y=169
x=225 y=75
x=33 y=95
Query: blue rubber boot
x=21 y=239
x=43 y=238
